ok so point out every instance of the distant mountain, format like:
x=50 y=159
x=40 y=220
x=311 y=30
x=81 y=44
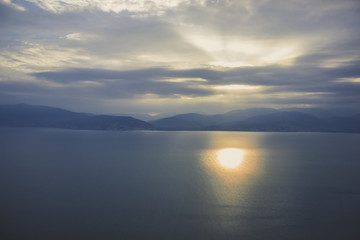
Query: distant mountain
x=278 y=122
x=106 y=122
x=189 y=121
x=346 y=124
x=255 y=119
x=317 y=112
x=195 y=121
x=143 y=116
x=243 y=114
x=263 y=119
x=23 y=115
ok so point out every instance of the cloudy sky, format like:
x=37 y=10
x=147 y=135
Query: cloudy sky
x=209 y=56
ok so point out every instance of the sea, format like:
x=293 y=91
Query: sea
x=58 y=184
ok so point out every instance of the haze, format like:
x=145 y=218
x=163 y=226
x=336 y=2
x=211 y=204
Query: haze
x=158 y=56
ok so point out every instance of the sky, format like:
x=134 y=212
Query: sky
x=207 y=56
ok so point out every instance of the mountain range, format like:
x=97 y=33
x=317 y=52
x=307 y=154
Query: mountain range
x=254 y=119
x=23 y=115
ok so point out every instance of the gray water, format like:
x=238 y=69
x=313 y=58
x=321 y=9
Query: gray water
x=65 y=184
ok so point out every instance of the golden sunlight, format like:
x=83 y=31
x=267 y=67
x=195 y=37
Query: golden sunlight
x=351 y=80
x=180 y=80
x=236 y=87
x=230 y=157
x=236 y=52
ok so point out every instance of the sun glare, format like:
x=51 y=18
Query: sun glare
x=236 y=87
x=230 y=157
x=237 y=52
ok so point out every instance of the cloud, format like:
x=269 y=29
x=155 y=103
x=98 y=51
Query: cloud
x=13 y=5
x=267 y=79
x=116 y=6
x=88 y=39
x=181 y=54
x=131 y=84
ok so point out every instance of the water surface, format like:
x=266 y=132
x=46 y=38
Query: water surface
x=65 y=184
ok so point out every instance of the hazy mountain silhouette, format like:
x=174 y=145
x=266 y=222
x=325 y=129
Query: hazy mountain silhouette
x=263 y=119
x=188 y=121
x=255 y=119
x=243 y=114
x=106 y=122
x=194 y=121
x=279 y=121
x=23 y=115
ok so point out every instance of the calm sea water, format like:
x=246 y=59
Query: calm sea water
x=64 y=184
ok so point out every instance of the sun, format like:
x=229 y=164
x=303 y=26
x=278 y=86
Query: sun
x=230 y=157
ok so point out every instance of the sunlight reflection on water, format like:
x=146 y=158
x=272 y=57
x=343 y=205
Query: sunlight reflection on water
x=231 y=171
x=230 y=157
x=230 y=165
